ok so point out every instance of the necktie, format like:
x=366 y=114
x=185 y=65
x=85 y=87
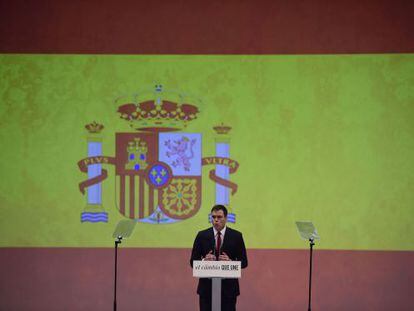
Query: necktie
x=218 y=245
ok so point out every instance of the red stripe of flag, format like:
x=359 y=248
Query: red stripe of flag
x=207 y=27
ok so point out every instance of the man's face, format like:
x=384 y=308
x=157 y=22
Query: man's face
x=219 y=221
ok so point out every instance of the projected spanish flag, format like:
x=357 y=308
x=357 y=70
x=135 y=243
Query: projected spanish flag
x=89 y=139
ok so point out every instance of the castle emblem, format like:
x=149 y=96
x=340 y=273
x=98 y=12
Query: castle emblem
x=158 y=168
x=137 y=154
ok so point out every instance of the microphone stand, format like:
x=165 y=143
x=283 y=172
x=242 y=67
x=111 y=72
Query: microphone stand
x=117 y=241
x=311 y=244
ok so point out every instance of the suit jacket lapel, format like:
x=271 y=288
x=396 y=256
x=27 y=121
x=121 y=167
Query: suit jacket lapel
x=212 y=239
x=226 y=237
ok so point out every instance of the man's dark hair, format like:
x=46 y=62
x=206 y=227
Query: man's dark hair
x=219 y=207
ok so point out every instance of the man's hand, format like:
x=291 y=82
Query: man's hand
x=224 y=257
x=210 y=256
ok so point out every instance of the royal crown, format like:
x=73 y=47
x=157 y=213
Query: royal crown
x=158 y=110
x=222 y=129
x=94 y=127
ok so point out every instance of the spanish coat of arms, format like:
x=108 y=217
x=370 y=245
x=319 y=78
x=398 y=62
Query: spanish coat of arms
x=158 y=167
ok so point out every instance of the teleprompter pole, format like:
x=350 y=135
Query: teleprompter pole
x=311 y=244
x=117 y=241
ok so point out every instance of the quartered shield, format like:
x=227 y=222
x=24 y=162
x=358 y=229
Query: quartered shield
x=158 y=175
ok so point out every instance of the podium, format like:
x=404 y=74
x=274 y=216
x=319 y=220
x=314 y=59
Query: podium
x=216 y=271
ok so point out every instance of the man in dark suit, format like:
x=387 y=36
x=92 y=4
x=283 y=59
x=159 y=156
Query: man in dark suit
x=219 y=243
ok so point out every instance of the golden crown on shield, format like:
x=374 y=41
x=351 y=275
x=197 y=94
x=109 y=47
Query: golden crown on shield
x=158 y=109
